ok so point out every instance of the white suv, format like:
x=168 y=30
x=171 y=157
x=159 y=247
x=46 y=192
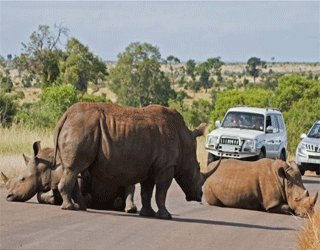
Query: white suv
x=308 y=150
x=248 y=133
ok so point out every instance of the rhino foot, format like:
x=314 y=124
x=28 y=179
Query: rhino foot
x=147 y=212
x=131 y=209
x=163 y=214
x=70 y=206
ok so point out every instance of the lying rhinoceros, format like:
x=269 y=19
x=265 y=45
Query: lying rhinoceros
x=43 y=179
x=267 y=185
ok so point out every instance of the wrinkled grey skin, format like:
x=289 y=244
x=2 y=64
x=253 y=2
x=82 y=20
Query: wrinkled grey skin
x=267 y=185
x=123 y=146
x=43 y=179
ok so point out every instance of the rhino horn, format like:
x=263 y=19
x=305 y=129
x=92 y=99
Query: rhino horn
x=206 y=175
x=200 y=130
x=314 y=199
x=4 y=177
x=26 y=159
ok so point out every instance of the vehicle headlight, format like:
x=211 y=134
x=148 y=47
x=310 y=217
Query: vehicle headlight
x=301 y=147
x=249 y=144
x=212 y=140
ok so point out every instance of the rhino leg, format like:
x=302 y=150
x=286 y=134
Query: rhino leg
x=280 y=209
x=162 y=185
x=66 y=187
x=146 y=194
x=129 y=194
x=77 y=197
x=51 y=197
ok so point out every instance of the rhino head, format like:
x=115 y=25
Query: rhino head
x=188 y=175
x=297 y=196
x=26 y=186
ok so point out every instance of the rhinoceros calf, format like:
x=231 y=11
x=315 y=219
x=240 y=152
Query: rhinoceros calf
x=268 y=185
x=42 y=178
x=124 y=146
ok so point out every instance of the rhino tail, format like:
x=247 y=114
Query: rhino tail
x=56 y=136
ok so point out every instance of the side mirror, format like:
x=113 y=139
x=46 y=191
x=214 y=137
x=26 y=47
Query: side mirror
x=217 y=124
x=303 y=136
x=270 y=129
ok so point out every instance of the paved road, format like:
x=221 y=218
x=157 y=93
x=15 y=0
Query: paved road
x=31 y=225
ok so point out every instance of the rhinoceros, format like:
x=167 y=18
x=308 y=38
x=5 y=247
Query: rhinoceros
x=266 y=185
x=42 y=178
x=123 y=146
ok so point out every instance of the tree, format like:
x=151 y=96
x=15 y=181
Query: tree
x=6 y=82
x=190 y=69
x=203 y=71
x=137 y=79
x=289 y=90
x=81 y=66
x=174 y=71
x=216 y=64
x=8 y=109
x=42 y=54
x=254 y=66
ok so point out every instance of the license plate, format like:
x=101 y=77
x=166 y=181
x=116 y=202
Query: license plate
x=229 y=148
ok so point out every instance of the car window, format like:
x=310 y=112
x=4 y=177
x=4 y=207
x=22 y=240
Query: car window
x=280 y=123
x=275 y=124
x=244 y=120
x=314 y=131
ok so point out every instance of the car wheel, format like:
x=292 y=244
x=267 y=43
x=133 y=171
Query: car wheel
x=302 y=171
x=261 y=155
x=318 y=172
x=283 y=156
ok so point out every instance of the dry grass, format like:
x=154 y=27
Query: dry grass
x=16 y=141
x=309 y=237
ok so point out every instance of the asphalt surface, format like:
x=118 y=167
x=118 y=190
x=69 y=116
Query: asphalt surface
x=31 y=225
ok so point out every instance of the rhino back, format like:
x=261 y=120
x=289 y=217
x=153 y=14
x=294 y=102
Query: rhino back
x=241 y=184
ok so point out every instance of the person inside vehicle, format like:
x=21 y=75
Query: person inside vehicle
x=258 y=124
x=236 y=121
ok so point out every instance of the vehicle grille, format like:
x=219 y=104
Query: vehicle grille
x=312 y=148
x=229 y=141
x=314 y=157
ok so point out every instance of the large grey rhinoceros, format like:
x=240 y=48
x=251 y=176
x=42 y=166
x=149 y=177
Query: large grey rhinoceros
x=267 y=185
x=42 y=178
x=123 y=146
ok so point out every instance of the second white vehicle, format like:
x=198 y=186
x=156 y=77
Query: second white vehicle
x=248 y=133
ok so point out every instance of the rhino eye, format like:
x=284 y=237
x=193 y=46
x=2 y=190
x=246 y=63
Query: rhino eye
x=22 y=179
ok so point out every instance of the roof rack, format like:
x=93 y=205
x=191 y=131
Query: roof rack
x=273 y=108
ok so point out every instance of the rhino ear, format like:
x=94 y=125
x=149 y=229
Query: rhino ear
x=26 y=159
x=199 y=130
x=4 y=178
x=36 y=148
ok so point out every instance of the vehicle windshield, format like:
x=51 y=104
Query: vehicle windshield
x=244 y=120
x=315 y=131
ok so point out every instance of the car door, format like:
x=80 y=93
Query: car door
x=272 y=140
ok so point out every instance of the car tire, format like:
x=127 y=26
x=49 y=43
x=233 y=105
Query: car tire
x=283 y=156
x=261 y=155
x=302 y=171
x=318 y=172
x=211 y=158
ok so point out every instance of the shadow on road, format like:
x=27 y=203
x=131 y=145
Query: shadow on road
x=199 y=221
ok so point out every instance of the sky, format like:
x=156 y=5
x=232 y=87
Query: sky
x=198 y=30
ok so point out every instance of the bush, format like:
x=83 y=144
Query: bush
x=94 y=98
x=54 y=102
x=8 y=109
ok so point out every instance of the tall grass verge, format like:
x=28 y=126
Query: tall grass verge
x=14 y=142
x=309 y=237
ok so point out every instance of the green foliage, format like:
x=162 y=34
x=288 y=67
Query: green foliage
x=8 y=109
x=6 y=84
x=94 y=98
x=254 y=66
x=302 y=114
x=195 y=114
x=190 y=69
x=54 y=102
x=230 y=98
x=81 y=66
x=289 y=90
x=137 y=79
